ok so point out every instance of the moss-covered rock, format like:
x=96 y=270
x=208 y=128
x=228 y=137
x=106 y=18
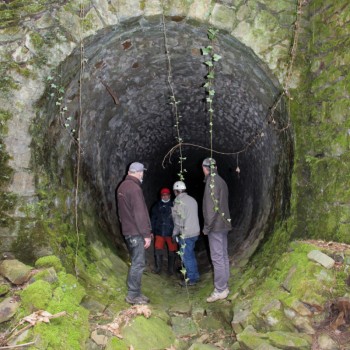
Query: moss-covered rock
x=48 y=275
x=49 y=261
x=69 y=331
x=36 y=296
x=4 y=289
x=144 y=334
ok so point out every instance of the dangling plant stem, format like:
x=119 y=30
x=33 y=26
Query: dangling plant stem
x=173 y=101
x=78 y=161
x=209 y=85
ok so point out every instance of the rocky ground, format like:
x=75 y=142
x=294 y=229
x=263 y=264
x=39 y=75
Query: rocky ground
x=302 y=303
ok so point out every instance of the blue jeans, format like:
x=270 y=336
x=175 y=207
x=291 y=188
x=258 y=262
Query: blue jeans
x=219 y=258
x=136 y=250
x=189 y=258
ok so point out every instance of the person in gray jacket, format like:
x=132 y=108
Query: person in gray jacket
x=217 y=224
x=186 y=230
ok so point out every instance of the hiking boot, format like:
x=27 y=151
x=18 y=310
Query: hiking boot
x=146 y=299
x=171 y=262
x=158 y=263
x=136 y=300
x=216 y=295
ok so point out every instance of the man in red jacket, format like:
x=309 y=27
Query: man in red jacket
x=136 y=228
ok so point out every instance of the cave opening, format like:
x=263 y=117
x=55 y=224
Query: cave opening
x=127 y=116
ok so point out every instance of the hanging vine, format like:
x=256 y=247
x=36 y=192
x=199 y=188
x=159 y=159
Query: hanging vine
x=79 y=153
x=213 y=58
x=173 y=100
x=209 y=85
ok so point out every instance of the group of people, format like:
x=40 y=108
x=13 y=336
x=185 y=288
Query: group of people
x=176 y=224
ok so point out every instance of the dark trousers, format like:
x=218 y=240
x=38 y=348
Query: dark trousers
x=136 y=250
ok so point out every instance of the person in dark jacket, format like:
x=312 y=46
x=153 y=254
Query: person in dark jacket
x=162 y=228
x=217 y=224
x=136 y=228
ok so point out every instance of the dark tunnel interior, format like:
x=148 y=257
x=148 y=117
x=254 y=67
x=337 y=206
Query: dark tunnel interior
x=127 y=116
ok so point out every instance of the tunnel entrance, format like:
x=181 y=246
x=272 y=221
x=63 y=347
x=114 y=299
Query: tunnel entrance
x=126 y=117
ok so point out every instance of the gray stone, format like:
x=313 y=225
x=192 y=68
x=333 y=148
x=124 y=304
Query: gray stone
x=99 y=339
x=241 y=315
x=273 y=305
x=287 y=282
x=8 y=308
x=325 y=342
x=251 y=339
x=93 y=305
x=321 y=258
x=222 y=17
x=182 y=308
x=303 y=325
x=288 y=340
x=4 y=288
x=247 y=286
x=15 y=271
x=301 y=308
x=266 y=346
x=48 y=275
x=184 y=326
x=199 y=346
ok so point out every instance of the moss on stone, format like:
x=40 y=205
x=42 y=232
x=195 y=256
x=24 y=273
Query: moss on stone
x=69 y=331
x=308 y=283
x=7 y=200
x=137 y=334
x=116 y=344
x=49 y=261
x=36 y=296
x=12 y=12
x=7 y=83
x=4 y=289
x=37 y=40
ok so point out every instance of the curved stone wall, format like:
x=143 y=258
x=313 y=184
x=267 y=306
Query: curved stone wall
x=37 y=40
x=127 y=116
x=124 y=54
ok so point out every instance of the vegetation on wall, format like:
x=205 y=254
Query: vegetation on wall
x=7 y=199
x=321 y=119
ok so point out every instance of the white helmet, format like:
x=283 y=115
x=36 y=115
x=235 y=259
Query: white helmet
x=179 y=185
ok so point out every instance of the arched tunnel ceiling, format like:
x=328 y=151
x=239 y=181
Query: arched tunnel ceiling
x=127 y=116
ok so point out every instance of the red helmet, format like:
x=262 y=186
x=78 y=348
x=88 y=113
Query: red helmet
x=165 y=191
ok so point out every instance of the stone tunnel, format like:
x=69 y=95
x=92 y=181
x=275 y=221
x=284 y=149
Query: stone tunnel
x=123 y=105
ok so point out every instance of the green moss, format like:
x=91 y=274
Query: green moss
x=49 y=261
x=48 y=275
x=74 y=7
x=142 y=5
x=116 y=344
x=137 y=335
x=12 y=12
x=4 y=289
x=67 y=332
x=32 y=238
x=71 y=330
x=308 y=283
x=7 y=200
x=36 y=296
x=88 y=22
x=37 y=40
